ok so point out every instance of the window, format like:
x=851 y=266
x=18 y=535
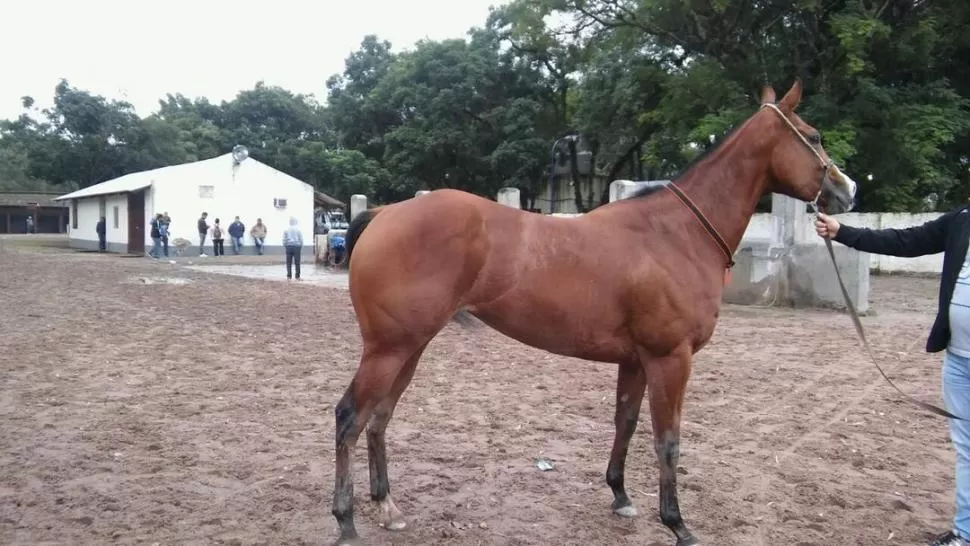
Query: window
x=115 y=212
x=102 y=208
x=207 y=192
x=74 y=214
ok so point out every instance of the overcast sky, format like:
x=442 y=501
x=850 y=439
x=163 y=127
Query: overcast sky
x=138 y=51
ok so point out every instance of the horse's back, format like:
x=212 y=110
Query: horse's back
x=429 y=248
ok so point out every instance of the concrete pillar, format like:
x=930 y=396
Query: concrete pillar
x=510 y=197
x=788 y=211
x=320 y=248
x=358 y=204
x=419 y=193
x=621 y=189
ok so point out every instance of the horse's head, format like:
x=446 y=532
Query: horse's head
x=799 y=166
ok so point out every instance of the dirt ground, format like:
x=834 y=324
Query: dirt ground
x=202 y=413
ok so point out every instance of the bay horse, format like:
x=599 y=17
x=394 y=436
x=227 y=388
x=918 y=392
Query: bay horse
x=637 y=282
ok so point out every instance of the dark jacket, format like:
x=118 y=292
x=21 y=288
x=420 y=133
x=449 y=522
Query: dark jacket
x=237 y=229
x=950 y=234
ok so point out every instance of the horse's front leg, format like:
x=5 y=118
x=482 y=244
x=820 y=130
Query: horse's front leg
x=630 y=385
x=667 y=381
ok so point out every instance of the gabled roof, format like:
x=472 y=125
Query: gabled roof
x=207 y=168
x=123 y=184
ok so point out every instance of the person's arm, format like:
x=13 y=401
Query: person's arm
x=927 y=238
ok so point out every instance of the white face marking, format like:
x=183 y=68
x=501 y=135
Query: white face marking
x=848 y=181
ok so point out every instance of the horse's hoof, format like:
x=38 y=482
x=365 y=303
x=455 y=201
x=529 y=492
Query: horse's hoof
x=397 y=525
x=391 y=518
x=628 y=511
x=688 y=541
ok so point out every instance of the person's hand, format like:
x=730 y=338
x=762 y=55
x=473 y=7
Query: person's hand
x=826 y=226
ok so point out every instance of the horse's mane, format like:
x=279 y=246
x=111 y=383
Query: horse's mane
x=647 y=191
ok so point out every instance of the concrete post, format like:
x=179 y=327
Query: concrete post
x=419 y=193
x=787 y=211
x=358 y=204
x=510 y=197
x=620 y=189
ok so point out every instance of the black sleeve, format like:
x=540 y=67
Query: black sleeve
x=928 y=238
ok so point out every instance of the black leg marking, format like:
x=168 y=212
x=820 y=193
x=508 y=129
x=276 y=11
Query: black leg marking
x=343 y=489
x=346 y=414
x=630 y=386
x=668 y=452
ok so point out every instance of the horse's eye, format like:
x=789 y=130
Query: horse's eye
x=815 y=139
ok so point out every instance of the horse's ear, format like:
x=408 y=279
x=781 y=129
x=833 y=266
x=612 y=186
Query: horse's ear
x=767 y=95
x=792 y=98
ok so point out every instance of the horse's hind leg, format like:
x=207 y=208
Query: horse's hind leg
x=666 y=382
x=630 y=384
x=372 y=384
x=380 y=489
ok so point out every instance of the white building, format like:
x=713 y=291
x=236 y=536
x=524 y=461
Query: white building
x=221 y=186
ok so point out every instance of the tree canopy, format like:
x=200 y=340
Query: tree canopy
x=645 y=82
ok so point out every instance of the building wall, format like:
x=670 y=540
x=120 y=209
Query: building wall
x=89 y=211
x=115 y=234
x=249 y=195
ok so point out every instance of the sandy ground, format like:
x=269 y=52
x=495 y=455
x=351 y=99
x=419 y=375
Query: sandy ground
x=201 y=412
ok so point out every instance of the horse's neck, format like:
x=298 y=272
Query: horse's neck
x=726 y=187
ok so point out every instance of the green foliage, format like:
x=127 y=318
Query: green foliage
x=647 y=82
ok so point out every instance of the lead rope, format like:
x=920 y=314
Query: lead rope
x=853 y=314
x=862 y=334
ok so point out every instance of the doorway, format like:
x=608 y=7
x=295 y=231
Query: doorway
x=136 y=222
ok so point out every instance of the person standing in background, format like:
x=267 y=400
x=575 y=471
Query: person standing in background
x=156 y=234
x=293 y=246
x=217 y=239
x=165 y=230
x=203 y=227
x=237 y=230
x=258 y=233
x=102 y=229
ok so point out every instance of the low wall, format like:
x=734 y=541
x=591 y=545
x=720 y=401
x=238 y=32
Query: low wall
x=768 y=274
x=763 y=225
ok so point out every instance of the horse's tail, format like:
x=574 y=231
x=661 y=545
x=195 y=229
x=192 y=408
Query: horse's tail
x=357 y=227
x=354 y=231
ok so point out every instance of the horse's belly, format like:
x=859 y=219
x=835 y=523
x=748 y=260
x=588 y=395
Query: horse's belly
x=560 y=332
